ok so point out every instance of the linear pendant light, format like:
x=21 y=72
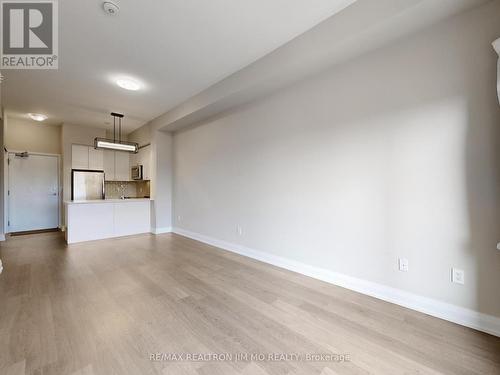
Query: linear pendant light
x=116 y=144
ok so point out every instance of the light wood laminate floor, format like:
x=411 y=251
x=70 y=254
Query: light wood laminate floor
x=105 y=307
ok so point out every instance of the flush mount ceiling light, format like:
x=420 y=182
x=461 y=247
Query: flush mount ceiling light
x=116 y=144
x=128 y=84
x=37 y=116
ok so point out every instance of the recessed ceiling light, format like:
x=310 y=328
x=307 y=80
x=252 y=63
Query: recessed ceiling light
x=37 y=116
x=128 y=84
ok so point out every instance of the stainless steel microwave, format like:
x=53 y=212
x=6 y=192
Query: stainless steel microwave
x=136 y=172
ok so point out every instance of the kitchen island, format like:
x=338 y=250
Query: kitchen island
x=88 y=220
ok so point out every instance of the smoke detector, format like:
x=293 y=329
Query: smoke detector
x=111 y=8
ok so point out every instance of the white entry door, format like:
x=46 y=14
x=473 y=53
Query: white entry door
x=33 y=192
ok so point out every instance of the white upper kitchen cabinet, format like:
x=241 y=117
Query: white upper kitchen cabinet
x=134 y=159
x=109 y=165
x=96 y=159
x=122 y=166
x=79 y=157
x=86 y=157
x=143 y=157
x=116 y=166
x=146 y=163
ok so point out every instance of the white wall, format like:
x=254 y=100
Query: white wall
x=162 y=179
x=141 y=135
x=391 y=154
x=28 y=135
x=161 y=174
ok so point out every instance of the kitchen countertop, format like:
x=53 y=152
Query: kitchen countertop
x=104 y=201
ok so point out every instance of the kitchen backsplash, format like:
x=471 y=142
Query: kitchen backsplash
x=134 y=189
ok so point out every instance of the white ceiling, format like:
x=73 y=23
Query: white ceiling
x=177 y=48
x=365 y=26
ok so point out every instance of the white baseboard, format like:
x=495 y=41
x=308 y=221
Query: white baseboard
x=456 y=314
x=161 y=230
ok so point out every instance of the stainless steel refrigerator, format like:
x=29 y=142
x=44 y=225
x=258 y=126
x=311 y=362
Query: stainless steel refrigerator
x=87 y=185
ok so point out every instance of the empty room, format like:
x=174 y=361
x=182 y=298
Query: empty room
x=249 y=187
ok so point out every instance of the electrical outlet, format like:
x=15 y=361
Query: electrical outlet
x=403 y=264
x=239 y=230
x=457 y=276
x=179 y=218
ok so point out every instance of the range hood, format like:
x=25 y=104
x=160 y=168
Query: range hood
x=496 y=46
x=116 y=144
